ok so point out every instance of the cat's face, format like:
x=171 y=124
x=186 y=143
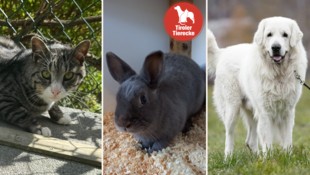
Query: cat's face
x=57 y=70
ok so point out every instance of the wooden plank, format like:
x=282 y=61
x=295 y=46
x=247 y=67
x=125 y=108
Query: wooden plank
x=62 y=149
x=180 y=47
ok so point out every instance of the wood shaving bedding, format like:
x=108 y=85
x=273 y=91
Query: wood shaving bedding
x=185 y=155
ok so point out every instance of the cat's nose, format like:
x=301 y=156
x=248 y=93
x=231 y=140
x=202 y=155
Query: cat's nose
x=55 y=92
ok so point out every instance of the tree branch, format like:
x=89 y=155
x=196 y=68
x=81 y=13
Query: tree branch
x=52 y=23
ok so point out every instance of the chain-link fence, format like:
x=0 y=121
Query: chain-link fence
x=65 y=21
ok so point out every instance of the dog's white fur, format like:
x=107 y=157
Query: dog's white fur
x=250 y=82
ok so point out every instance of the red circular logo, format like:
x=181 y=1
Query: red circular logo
x=183 y=21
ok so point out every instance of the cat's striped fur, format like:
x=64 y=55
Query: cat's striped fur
x=33 y=80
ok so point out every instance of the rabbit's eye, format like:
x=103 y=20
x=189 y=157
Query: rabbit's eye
x=142 y=99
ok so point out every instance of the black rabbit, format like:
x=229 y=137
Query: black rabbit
x=157 y=104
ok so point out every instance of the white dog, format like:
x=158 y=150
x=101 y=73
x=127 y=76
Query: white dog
x=257 y=81
x=183 y=15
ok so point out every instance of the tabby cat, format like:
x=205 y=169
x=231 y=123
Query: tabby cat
x=33 y=80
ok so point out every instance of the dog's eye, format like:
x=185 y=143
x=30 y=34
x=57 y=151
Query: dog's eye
x=285 y=35
x=269 y=35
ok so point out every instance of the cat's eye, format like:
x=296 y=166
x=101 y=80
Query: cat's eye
x=46 y=74
x=68 y=76
x=143 y=100
x=269 y=35
x=285 y=35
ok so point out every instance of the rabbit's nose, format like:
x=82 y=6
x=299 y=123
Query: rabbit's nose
x=124 y=123
x=127 y=124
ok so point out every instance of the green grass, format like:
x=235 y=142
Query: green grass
x=244 y=162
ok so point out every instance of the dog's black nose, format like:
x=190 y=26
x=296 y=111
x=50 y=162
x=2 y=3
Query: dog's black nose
x=276 y=47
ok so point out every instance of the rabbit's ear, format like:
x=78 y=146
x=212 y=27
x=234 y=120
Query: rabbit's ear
x=152 y=67
x=119 y=70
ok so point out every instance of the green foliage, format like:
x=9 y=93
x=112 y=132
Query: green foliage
x=63 y=21
x=244 y=162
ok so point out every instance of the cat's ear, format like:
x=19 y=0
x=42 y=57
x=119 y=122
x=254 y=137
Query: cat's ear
x=39 y=48
x=81 y=50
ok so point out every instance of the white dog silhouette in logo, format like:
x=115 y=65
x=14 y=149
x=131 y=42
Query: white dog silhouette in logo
x=183 y=15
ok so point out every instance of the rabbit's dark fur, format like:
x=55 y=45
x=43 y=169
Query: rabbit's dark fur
x=156 y=104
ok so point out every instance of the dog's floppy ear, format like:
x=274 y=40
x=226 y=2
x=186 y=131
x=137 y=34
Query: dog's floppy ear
x=296 y=34
x=259 y=34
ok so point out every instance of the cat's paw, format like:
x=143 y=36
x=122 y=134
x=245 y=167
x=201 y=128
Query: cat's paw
x=65 y=120
x=45 y=131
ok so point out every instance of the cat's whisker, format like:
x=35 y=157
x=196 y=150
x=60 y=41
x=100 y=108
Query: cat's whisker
x=81 y=93
x=78 y=99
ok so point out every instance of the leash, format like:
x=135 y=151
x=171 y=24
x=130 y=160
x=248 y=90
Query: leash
x=297 y=76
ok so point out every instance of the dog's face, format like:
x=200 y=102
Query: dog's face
x=277 y=36
x=277 y=42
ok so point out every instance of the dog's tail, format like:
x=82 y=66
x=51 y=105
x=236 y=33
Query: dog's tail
x=213 y=51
